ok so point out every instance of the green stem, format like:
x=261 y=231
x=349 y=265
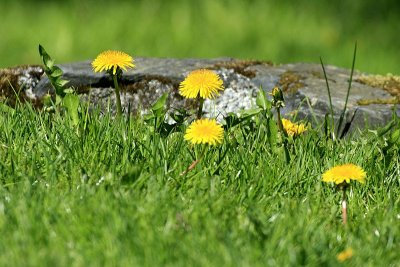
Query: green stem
x=200 y=110
x=118 y=98
x=284 y=135
x=194 y=163
x=344 y=205
x=280 y=125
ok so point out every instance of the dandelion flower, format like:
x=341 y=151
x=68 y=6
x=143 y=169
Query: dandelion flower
x=110 y=59
x=205 y=131
x=344 y=173
x=205 y=83
x=345 y=255
x=293 y=129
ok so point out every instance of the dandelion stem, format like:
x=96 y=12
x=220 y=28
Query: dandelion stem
x=194 y=163
x=118 y=98
x=200 y=110
x=344 y=205
x=279 y=120
x=285 y=144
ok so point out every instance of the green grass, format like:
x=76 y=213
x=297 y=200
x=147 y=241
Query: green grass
x=280 y=31
x=112 y=195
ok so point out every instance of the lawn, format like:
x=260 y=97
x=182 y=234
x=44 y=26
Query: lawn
x=111 y=193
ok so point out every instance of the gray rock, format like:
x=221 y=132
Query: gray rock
x=303 y=85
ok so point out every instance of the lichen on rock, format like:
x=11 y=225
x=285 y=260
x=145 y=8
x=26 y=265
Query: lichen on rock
x=388 y=82
x=290 y=81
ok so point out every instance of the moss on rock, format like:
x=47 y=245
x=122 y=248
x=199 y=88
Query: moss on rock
x=388 y=82
x=290 y=81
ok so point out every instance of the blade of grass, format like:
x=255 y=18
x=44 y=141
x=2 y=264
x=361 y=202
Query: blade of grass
x=347 y=126
x=330 y=99
x=348 y=92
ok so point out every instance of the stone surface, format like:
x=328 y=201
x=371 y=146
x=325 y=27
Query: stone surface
x=303 y=84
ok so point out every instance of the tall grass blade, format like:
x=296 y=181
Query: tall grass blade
x=346 y=127
x=348 y=93
x=330 y=100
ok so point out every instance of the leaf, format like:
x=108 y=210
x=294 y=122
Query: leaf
x=347 y=95
x=231 y=120
x=69 y=90
x=247 y=113
x=158 y=107
x=47 y=100
x=179 y=115
x=61 y=83
x=71 y=103
x=148 y=118
x=272 y=132
x=47 y=61
x=56 y=72
x=347 y=125
x=395 y=137
x=262 y=100
x=387 y=128
x=58 y=100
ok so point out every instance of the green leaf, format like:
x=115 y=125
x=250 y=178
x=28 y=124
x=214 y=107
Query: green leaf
x=272 y=132
x=395 y=137
x=56 y=72
x=58 y=100
x=71 y=103
x=148 y=118
x=61 y=83
x=262 y=100
x=231 y=120
x=247 y=113
x=69 y=90
x=179 y=115
x=47 y=61
x=47 y=100
x=382 y=131
x=158 y=108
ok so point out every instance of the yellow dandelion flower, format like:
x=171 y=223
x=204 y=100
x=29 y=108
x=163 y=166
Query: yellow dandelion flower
x=344 y=173
x=293 y=129
x=345 y=255
x=205 y=131
x=110 y=59
x=205 y=83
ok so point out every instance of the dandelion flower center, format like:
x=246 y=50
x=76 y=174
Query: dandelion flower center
x=344 y=173
x=201 y=82
x=111 y=59
x=205 y=131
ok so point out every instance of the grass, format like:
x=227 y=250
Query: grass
x=112 y=195
x=272 y=30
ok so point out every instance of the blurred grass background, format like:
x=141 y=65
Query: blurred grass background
x=281 y=31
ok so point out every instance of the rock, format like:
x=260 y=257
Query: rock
x=304 y=88
x=14 y=80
